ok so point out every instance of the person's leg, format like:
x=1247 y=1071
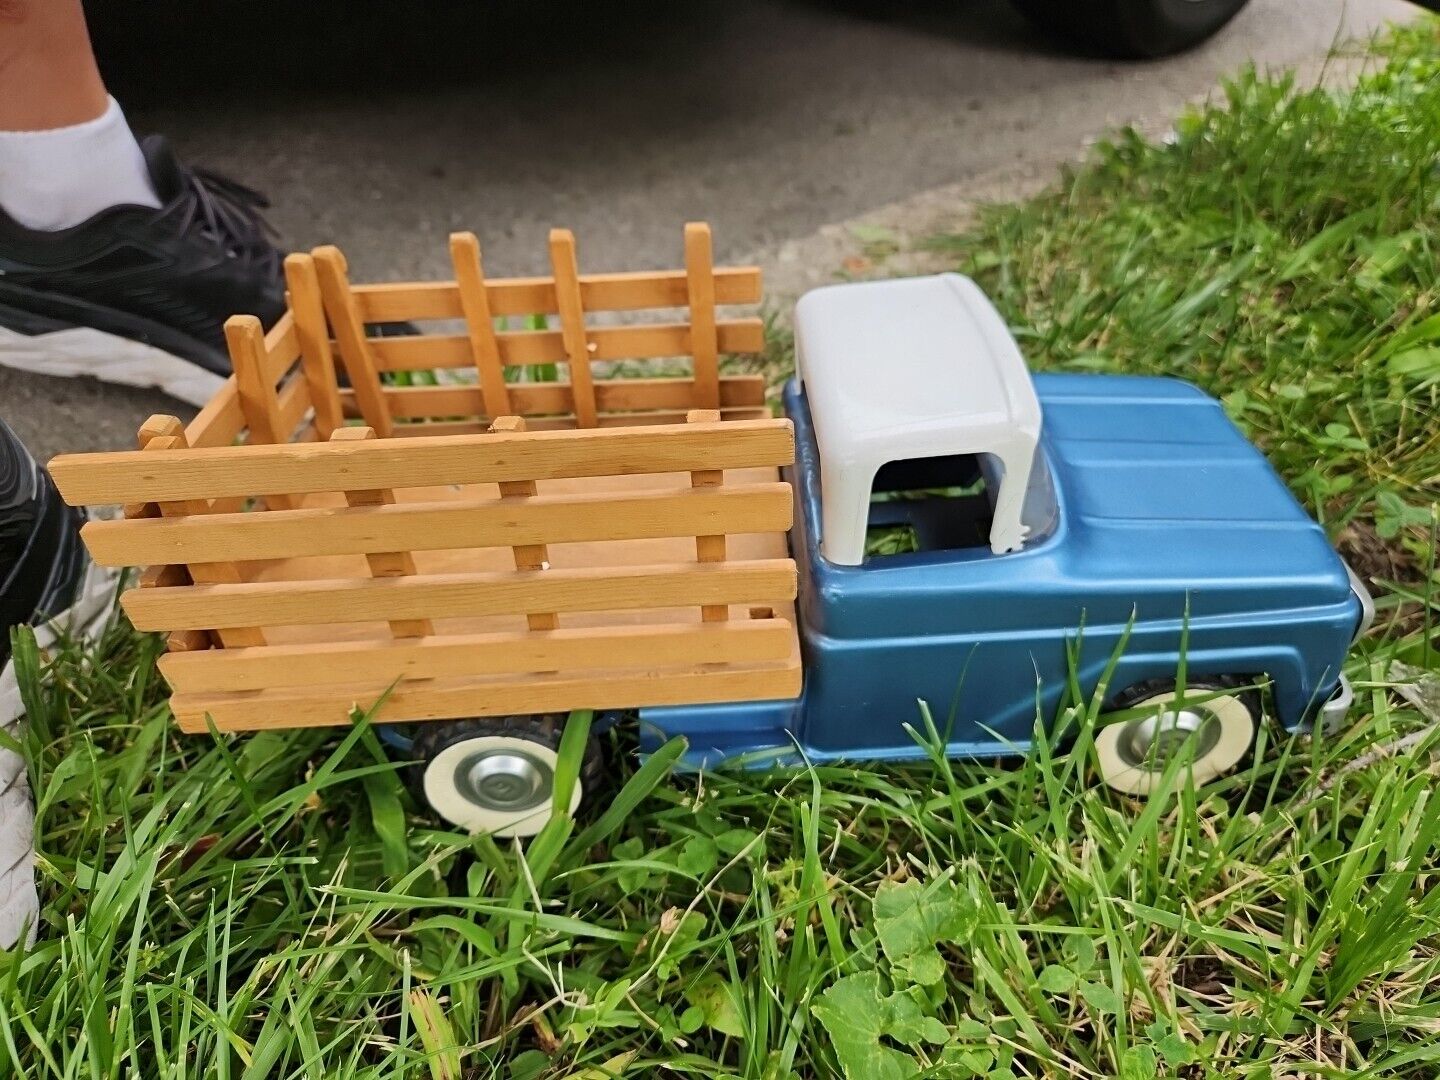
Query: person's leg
x=66 y=153
x=48 y=76
x=116 y=261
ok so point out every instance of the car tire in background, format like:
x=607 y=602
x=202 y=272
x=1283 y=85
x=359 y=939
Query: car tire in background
x=1133 y=29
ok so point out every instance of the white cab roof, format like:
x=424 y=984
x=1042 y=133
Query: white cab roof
x=911 y=368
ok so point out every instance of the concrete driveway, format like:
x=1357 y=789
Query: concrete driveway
x=768 y=118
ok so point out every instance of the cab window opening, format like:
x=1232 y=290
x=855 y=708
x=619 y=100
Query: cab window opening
x=929 y=504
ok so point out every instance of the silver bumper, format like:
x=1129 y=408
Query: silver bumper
x=1367 y=603
x=1334 y=711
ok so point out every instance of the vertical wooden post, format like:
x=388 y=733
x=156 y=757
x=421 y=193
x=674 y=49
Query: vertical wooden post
x=316 y=359
x=160 y=426
x=258 y=400
x=572 y=324
x=475 y=304
x=708 y=549
x=527 y=556
x=344 y=315
x=383 y=564
x=704 y=342
x=161 y=433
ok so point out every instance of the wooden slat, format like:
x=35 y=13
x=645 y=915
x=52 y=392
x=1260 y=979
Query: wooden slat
x=710 y=547
x=611 y=395
x=704 y=342
x=134 y=476
x=372 y=662
x=567 y=423
x=294 y=402
x=162 y=433
x=390 y=562
x=344 y=316
x=531 y=554
x=572 y=324
x=281 y=346
x=446 y=698
x=220 y=422
x=441 y=596
x=479 y=323
x=246 y=340
x=313 y=335
x=519 y=348
x=635 y=291
x=258 y=398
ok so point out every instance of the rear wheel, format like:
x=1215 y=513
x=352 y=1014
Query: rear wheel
x=496 y=775
x=1135 y=29
x=1212 y=724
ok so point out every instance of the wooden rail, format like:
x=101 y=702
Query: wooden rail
x=218 y=472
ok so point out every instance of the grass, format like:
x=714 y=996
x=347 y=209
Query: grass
x=276 y=906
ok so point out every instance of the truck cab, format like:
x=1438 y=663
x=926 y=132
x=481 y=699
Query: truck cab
x=1049 y=524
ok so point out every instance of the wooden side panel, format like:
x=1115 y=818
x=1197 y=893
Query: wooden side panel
x=553 y=399
x=527 y=296
x=441 y=699
x=461 y=655
x=567 y=423
x=133 y=476
x=440 y=596
x=522 y=347
x=508 y=521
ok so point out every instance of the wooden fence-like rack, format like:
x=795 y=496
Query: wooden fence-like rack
x=316 y=543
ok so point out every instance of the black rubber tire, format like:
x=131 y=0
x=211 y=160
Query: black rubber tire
x=544 y=729
x=1132 y=29
x=1150 y=687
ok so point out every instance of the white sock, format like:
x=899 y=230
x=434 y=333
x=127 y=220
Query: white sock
x=58 y=178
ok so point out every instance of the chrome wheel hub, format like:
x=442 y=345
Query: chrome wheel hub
x=509 y=780
x=1150 y=742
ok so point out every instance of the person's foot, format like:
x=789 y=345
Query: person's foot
x=48 y=582
x=138 y=296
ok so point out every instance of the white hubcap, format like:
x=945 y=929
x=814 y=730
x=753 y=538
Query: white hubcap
x=497 y=784
x=1212 y=729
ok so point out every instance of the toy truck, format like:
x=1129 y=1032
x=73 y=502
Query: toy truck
x=436 y=529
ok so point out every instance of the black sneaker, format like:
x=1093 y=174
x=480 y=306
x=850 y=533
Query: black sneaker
x=138 y=296
x=48 y=582
x=46 y=578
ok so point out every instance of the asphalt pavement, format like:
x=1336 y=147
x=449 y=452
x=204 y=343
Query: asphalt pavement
x=767 y=118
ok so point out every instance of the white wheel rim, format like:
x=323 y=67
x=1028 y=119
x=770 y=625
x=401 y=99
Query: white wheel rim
x=496 y=784
x=1221 y=721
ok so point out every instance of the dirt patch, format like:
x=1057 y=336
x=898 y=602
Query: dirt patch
x=1205 y=975
x=1376 y=560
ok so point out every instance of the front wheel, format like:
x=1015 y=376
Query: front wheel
x=496 y=775
x=1213 y=724
x=1133 y=29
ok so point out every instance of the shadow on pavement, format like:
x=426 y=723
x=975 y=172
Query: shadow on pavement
x=155 y=51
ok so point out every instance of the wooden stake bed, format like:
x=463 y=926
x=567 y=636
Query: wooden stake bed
x=480 y=546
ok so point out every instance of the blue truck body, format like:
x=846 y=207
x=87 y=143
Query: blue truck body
x=1167 y=525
